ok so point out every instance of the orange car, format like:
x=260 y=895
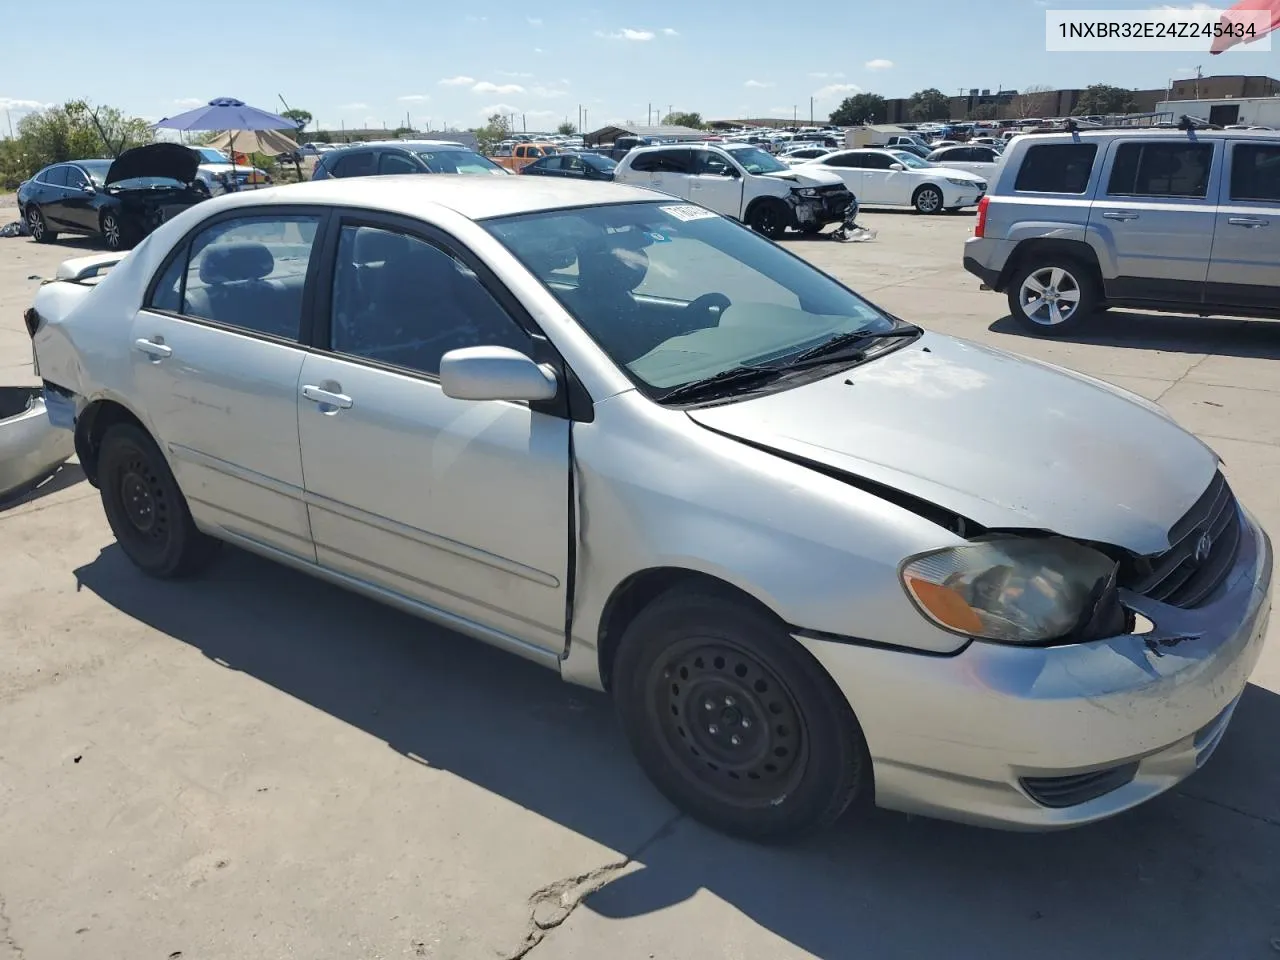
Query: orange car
x=517 y=157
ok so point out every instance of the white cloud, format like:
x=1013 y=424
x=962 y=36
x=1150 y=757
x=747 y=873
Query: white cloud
x=413 y=98
x=836 y=90
x=668 y=32
x=626 y=33
x=827 y=76
x=879 y=64
x=534 y=21
x=484 y=86
x=505 y=109
x=759 y=84
x=353 y=106
x=458 y=81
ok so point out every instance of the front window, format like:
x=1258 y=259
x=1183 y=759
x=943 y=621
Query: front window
x=909 y=160
x=210 y=155
x=756 y=161
x=676 y=295
x=457 y=161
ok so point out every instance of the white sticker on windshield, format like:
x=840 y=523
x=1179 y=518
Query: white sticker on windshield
x=686 y=212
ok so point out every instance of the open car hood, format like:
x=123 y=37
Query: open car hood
x=170 y=160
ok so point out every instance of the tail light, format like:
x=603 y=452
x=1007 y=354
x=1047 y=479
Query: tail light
x=980 y=225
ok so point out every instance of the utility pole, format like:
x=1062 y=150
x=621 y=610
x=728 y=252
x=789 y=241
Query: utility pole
x=1199 y=75
x=649 y=118
x=8 y=116
x=794 y=115
x=811 y=114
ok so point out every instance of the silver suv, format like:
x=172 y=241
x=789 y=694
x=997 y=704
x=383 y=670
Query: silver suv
x=1180 y=222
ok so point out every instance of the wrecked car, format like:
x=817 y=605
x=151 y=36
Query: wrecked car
x=119 y=201
x=813 y=551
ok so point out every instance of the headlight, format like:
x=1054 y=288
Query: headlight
x=807 y=192
x=1014 y=590
x=960 y=183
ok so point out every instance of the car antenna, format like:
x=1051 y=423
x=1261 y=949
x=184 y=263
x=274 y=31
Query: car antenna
x=1188 y=123
x=1072 y=128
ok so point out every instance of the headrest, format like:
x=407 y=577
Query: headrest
x=373 y=246
x=602 y=266
x=237 y=260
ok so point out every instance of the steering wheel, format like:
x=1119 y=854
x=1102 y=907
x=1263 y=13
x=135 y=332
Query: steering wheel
x=710 y=304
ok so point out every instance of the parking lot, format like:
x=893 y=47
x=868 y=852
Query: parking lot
x=256 y=764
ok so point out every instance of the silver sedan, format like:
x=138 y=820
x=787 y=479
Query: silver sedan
x=813 y=552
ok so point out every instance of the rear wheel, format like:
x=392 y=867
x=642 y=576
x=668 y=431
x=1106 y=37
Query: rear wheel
x=734 y=721
x=147 y=512
x=1054 y=297
x=37 y=227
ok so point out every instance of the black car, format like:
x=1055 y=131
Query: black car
x=580 y=166
x=119 y=200
x=403 y=156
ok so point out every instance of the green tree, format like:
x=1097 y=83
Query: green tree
x=492 y=133
x=930 y=104
x=75 y=130
x=678 y=118
x=1103 y=98
x=983 y=111
x=860 y=108
x=566 y=129
x=300 y=117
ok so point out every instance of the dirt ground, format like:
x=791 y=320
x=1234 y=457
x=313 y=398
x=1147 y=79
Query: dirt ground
x=256 y=765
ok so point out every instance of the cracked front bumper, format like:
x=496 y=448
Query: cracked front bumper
x=961 y=737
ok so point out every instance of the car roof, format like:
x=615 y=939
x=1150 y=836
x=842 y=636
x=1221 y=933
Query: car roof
x=474 y=197
x=1164 y=132
x=407 y=144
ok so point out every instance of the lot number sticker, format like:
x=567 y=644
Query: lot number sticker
x=687 y=212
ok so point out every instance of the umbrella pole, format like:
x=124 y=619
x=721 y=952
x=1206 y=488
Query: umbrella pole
x=232 y=147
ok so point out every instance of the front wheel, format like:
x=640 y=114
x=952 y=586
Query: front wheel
x=1053 y=297
x=928 y=200
x=116 y=234
x=734 y=721
x=768 y=218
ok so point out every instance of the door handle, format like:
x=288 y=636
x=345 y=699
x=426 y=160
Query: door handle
x=154 y=349
x=1247 y=221
x=326 y=398
x=1120 y=215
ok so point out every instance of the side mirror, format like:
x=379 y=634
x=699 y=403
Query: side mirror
x=89 y=189
x=897 y=166
x=495 y=373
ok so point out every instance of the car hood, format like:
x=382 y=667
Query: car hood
x=170 y=160
x=1007 y=442
x=804 y=177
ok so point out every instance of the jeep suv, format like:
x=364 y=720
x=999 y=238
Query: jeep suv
x=1178 y=222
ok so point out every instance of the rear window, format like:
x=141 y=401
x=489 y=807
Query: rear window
x=357 y=164
x=664 y=161
x=1056 y=168
x=1255 y=172
x=1161 y=170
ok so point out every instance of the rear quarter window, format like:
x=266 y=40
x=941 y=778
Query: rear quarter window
x=1056 y=168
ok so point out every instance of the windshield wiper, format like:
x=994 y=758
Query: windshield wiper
x=835 y=347
x=720 y=383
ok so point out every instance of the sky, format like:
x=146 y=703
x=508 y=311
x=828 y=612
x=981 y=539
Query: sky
x=372 y=62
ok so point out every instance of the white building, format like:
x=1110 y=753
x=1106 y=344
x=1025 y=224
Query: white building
x=1261 y=111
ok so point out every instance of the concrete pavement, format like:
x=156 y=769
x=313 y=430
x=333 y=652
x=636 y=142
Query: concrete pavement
x=259 y=765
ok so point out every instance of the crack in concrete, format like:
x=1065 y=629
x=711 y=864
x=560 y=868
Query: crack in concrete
x=552 y=905
x=1185 y=373
x=1269 y=821
x=6 y=935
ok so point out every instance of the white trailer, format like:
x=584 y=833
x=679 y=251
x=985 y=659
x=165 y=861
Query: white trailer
x=1228 y=111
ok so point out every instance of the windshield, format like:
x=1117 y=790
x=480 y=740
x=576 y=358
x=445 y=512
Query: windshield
x=600 y=163
x=210 y=155
x=755 y=160
x=908 y=160
x=676 y=294
x=457 y=161
x=96 y=169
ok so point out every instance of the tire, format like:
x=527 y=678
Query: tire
x=768 y=218
x=927 y=200
x=697 y=655
x=37 y=226
x=116 y=234
x=1071 y=282
x=147 y=512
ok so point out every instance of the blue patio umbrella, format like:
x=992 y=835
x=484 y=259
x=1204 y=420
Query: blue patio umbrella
x=227 y=113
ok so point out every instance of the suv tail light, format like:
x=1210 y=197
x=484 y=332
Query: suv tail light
x=980 y=225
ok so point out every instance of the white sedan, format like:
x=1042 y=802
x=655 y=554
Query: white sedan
x=979 y=159
x=896 y=178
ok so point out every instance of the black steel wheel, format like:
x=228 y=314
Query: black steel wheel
x=38 y=227
x=734 y=721
x=145 y=509
x=768 y=218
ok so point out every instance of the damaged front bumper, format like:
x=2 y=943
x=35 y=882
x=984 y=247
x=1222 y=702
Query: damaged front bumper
x=817 y=207
x=31 y=446
x=1039 y=738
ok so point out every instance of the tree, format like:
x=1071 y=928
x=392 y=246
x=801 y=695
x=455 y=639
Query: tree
x=1034 y=102
x=679 y=119
x=566 y=129
x=1103 y=98
x=930 y=104
x=984 y=111
x=300 y=117
x=492 y=133
x=860 y=108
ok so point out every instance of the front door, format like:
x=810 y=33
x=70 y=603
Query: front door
x=1155 y=216
x=882 y=185
x=216 y=361
x=1246 y=241
x=78 y=208
x=716 y=183
x=459 y=505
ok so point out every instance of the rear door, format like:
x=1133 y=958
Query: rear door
x=849 y=168
x=53 y=201
x=668 y=171
x=1155 y=215
x=1245 y=263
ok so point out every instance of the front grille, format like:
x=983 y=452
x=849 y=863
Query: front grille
x=1059 y=792
x=1204 y=545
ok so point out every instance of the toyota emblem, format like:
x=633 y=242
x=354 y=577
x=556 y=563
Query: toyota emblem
x=1204 y=546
